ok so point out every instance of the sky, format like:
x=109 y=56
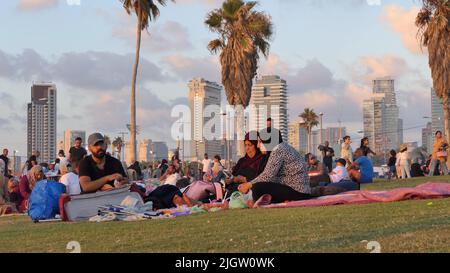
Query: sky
x=327 y=50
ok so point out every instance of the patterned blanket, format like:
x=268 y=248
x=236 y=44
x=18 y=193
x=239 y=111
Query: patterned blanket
x=424 y=191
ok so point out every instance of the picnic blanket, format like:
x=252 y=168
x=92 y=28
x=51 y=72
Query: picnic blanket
x=423 y=191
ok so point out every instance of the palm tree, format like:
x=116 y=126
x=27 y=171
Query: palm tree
x=311 y=120
x=118 y=143
x=433 y=21
x=146 y=11
x=107 y=140
x=244 y=34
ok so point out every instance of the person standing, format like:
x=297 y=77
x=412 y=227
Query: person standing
x=271 y=135
x=6 y=160
x=365 y=147
x=403 y=161
x=346 y=150
x=439 y=154
x=77 y=153
x=391 y=164
x=206 y=165
x=327 y=155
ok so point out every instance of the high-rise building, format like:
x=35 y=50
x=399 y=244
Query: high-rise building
x=437 y=113
x=41 y=121
x=269 y=99
x=69 y=139
x=159 y=151
x=298 y=136
x=427 y=137
x=333 y=135
x=145 y=150
x=202 y=95
x=400 y=131
x=381 y=117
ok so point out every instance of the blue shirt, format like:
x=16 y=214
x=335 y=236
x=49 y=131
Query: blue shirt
x=366 y=169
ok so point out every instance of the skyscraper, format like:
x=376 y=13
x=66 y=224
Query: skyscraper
x=41 y=121
x=69 y=139
x=145 y=150
x=427 y=137
x=269 y=99
x=204 y=94
x=437 y=113
x=381 y=117
x=160 y=150
x=298 y=136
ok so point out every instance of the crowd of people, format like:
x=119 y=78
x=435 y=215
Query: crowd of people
x=270 y=167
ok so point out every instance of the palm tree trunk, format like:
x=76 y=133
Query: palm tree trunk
x=133 y=90
x=445 y=100
x=240 y=124
x=309 y=140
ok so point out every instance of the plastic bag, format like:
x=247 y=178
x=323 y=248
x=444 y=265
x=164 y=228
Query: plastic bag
x=237 y=201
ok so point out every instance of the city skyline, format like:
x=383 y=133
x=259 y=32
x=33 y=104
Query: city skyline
x=323 y=68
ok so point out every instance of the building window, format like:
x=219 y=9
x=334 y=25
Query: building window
x=266 y=91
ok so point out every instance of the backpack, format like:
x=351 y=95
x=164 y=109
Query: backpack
x=44 y=200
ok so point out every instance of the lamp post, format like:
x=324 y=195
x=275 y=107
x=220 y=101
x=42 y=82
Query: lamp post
x=321 y=127
x=14 y=163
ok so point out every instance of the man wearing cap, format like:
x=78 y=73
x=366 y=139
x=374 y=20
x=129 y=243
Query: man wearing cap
x=339 y=173
x=100 y=171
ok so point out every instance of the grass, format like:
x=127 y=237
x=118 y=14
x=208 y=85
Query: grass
x=408 y=226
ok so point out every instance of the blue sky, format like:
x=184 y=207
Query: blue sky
x=328 y=50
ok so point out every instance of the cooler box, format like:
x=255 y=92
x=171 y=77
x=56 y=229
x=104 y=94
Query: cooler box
x=82 y=207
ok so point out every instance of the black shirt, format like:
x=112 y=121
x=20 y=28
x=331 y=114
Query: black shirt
x=272 y=134
x=77 y=154
x=366 y=150
x=89 y=168
x=6 y=160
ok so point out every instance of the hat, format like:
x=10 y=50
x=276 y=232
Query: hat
x=342 y=161
x=95 y=138
x=403 y=147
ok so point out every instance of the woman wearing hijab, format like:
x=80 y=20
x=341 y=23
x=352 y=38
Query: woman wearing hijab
x=27 y=183
x=248 y=167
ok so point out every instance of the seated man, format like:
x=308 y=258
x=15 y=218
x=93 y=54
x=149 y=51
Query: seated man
x=71 y=180
x=339 y=178
x=339 y=173
x=316 y=170
x=100 y=171
x=361 y=170
x=170 y=177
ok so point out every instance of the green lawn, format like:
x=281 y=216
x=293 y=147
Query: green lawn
x=409 y=226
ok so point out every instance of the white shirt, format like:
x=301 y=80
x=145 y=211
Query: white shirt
x=402 y=159
x=339 y=173
x=347 y=152
x=62 y=160
x=72 y=183
x=206 y=165
x=172 y=179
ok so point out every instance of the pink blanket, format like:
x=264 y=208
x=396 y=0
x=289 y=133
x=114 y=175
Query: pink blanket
x=424 y=191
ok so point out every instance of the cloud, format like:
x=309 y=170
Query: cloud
x=402 y=22
x=29 y=5
x=187 y=68
x=110 y=113
x=170 y=36
x=86 y=70
x=368 y=68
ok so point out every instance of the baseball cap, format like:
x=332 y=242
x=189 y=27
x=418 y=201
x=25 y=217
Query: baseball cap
x=95 y=138
x=342 y=161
